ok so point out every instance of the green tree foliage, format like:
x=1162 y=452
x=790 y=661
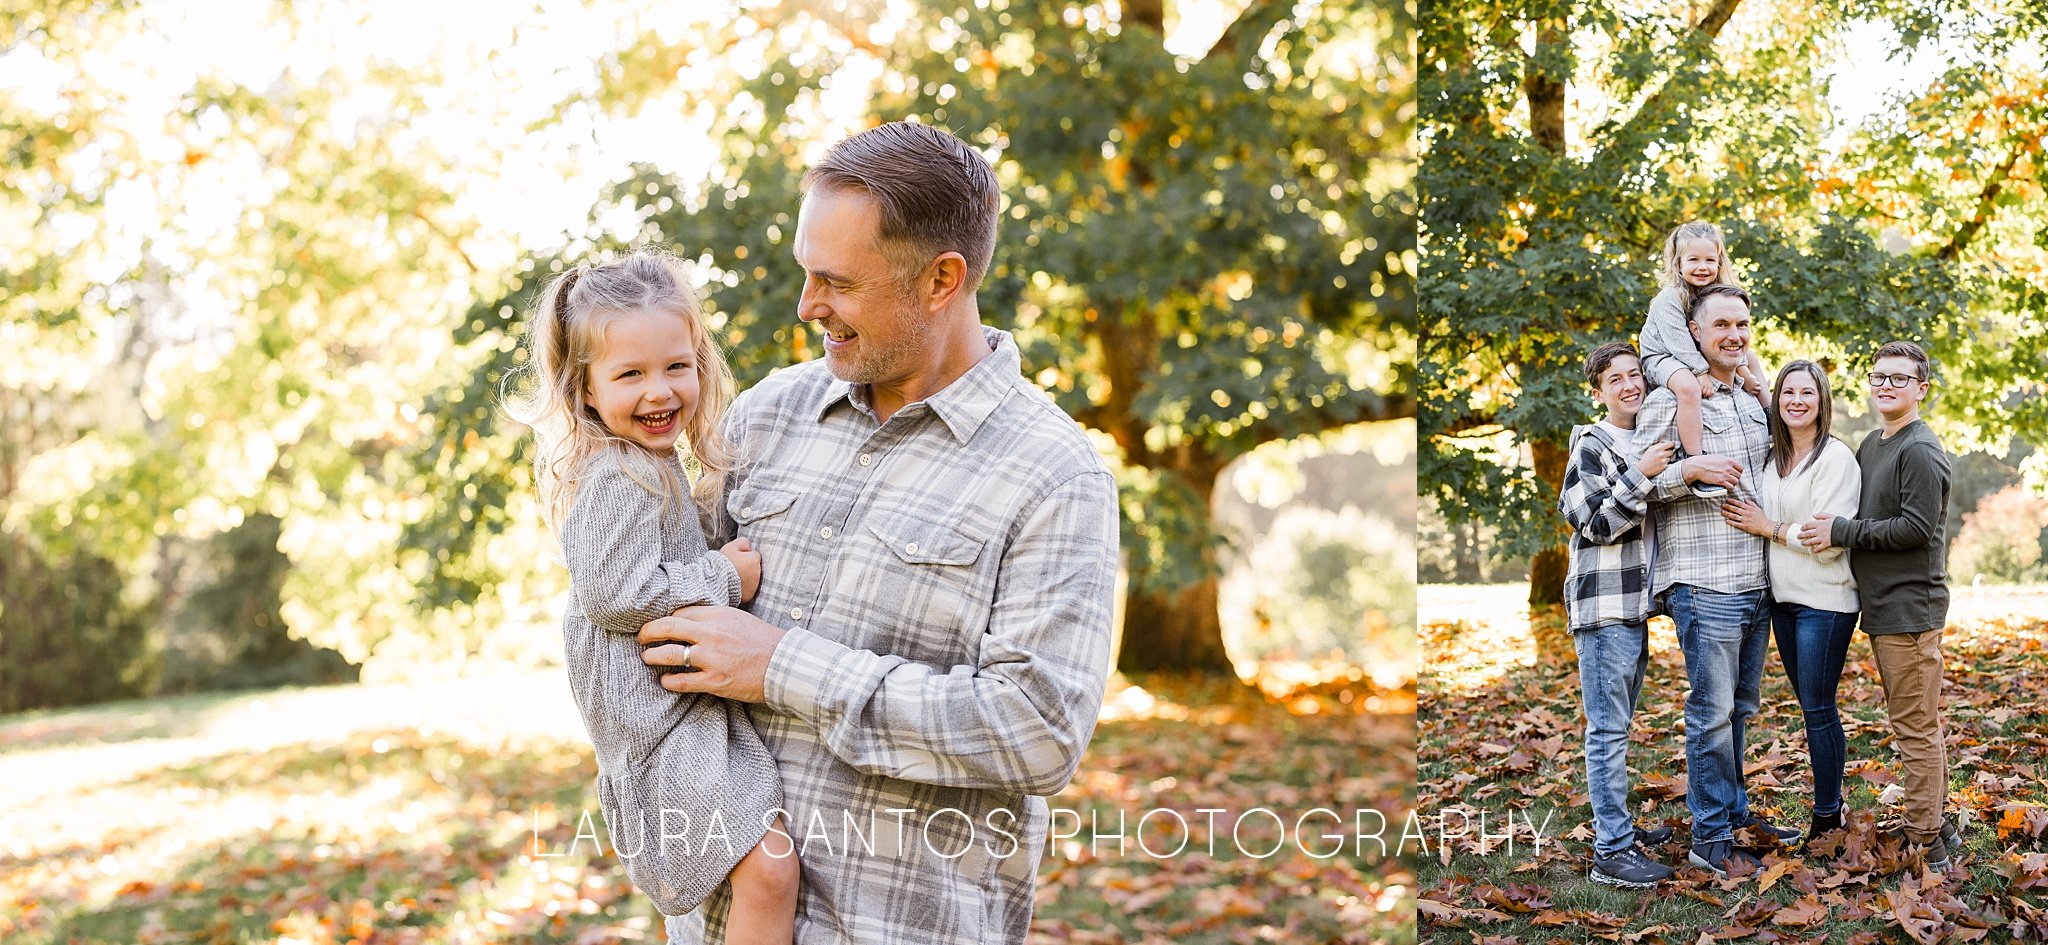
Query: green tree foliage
x=232 y=278
x=1201 y=252
x=1563 y=138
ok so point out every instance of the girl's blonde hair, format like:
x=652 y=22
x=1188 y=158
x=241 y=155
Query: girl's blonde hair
x=563 y=336
x=1695 y=230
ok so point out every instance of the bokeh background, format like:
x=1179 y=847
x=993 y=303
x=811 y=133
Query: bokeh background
x=265 y=264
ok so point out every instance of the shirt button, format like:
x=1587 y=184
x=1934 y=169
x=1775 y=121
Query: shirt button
x=910 y=549
x=867 y=459
x=796 y=613
x=825 y=532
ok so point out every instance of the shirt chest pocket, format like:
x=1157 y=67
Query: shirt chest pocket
x=759 y=513
x=930 y=577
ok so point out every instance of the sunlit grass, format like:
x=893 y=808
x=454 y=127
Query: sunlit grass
x=449 y=812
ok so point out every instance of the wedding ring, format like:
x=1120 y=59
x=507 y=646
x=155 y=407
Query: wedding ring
x=686 y=657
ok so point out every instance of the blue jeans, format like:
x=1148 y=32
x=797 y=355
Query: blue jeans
x=1725 y=638
x=1612 y=660
x=1814 y=643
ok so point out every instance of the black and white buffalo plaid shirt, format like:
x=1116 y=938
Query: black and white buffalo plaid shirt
x=946 y=582
x=1606 y=500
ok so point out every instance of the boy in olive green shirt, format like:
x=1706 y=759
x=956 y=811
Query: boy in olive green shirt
x=1902 y=582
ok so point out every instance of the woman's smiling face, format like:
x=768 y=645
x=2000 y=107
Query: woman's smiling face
x=1798 y=401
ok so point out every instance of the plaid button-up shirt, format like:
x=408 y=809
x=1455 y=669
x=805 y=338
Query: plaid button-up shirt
x=1605 y=499
x=945 y=580
x=1695 y=545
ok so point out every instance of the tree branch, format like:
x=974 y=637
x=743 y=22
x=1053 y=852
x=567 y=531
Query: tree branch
x=1987 y=198
x=1544 y=91
x=1241 y=38
x=1705 y=32
x=1150 y=14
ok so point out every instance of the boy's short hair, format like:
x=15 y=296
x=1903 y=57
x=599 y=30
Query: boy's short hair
x=1599 y=358
x=1905 y=349
x=1715 y=291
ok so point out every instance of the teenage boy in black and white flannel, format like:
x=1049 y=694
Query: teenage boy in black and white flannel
x=1608 y=603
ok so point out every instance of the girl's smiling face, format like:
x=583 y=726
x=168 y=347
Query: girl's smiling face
x=1699 y=262
x=643 y=381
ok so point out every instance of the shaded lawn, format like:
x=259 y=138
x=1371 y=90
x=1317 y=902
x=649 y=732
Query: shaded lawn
x=411 y=814
x=1502 y=734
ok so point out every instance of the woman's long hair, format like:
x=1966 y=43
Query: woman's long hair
x=1679 y=235
x=563 y=336
x=1823 y=419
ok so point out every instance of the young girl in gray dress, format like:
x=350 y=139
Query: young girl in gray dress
x=622 y=373
x=1695 y=256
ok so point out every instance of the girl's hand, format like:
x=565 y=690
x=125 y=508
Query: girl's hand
x=747 y=562
x=1747 y=516
x=1657 y=457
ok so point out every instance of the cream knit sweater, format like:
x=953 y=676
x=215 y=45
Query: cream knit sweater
x=1831 y=484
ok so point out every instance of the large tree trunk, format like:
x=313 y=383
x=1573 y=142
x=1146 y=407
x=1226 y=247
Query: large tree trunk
x=1179 y=628
x=1547 y=569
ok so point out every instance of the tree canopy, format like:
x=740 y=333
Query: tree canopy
x=277 y=289
x=1562 y=140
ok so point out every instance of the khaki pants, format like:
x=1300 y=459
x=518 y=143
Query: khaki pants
x=1910 y=666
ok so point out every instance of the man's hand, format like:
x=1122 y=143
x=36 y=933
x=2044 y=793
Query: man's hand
x=748 y=562
x=1748 y=517
x=728 y=650
x=1818 y=535
x=1712 y=469
x=1657 y=457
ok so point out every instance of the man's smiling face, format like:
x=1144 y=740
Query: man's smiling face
x=1722 y=328
x=874 y=332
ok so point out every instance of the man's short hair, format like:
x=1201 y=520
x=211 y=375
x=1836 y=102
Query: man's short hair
x=1599 y=358
x=1718 y=290
x=1905 y=349
x=935 y=192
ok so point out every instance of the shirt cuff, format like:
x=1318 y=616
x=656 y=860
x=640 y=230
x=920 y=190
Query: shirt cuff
x=798 y=671
x=728 y=577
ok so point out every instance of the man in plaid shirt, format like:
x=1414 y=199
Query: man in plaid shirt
x=1710 y=576
x=928 y=648
x=1607 y=603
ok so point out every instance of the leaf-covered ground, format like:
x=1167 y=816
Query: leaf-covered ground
x=1502 y=733
x=401 y=814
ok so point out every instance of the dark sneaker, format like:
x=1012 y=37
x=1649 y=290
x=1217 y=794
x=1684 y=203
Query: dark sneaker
x=1938 y=854
x=1653 y=836
x=1718 y=857
x=1766 y=828
x=1820 y=826
x=1952 y=838
x=1709 y=491
x=1629 y=869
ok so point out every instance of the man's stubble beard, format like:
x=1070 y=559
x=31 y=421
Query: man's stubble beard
x=874 y=364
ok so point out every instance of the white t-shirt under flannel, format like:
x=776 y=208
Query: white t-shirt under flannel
x=945 y=580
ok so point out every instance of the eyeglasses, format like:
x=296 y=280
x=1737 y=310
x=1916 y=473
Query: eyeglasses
x=1891 y=380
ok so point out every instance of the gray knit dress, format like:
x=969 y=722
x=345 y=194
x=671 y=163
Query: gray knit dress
x=691 y=766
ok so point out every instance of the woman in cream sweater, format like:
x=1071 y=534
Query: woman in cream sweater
x=1814 y=609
